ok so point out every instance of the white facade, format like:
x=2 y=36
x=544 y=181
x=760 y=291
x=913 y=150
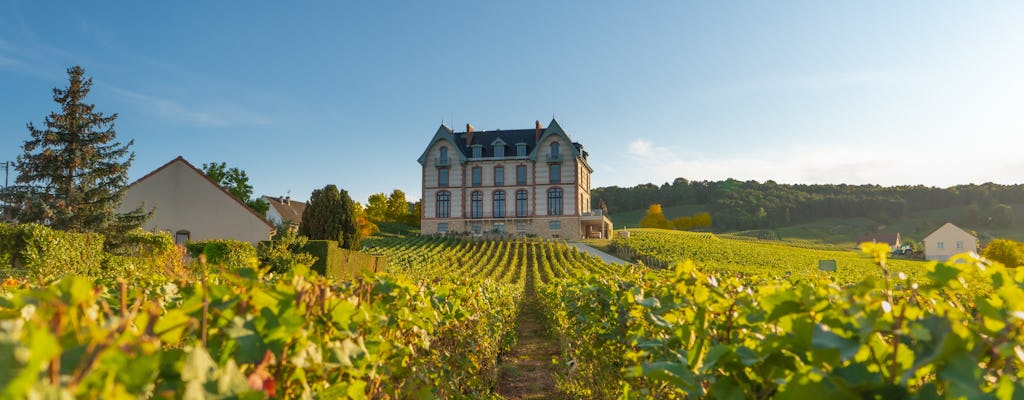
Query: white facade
x=948 y=241
x=192 y=207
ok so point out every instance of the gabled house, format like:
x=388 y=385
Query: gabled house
x=522 y=182
x=191 y=206
x=894 y=240
x=285 y=210
x=947 y=241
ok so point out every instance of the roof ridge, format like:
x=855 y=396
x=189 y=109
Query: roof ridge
x=215 y=184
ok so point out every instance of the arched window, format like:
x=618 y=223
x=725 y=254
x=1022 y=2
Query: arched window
x=444 y=154
x=554 y=201
x=498 y=204
x=181 y=237
x=444 y=204
x=554 y=148
x=477 y=204
x=522 y=210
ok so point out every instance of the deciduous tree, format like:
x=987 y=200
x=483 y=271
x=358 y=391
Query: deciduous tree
x=236 y=181
x=1005 y=251
x=655 y=218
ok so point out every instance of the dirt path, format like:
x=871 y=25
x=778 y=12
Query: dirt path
x=527 y=373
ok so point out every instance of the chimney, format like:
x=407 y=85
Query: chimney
x=469 y=134
x=287 y=199
x=536 y=137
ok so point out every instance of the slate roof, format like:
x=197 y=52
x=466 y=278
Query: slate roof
x=485 y=138
x=288 y=209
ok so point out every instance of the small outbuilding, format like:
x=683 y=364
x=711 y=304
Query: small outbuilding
x=947 y=241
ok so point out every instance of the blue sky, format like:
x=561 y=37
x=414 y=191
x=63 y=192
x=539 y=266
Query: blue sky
x=349 y=93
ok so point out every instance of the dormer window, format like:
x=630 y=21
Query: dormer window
x=499 y=148
x=478 y=151
x=521 y=149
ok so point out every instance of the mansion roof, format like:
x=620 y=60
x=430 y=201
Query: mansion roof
x=466 y=141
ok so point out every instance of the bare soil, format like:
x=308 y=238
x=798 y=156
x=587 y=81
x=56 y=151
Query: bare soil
x=528 y=372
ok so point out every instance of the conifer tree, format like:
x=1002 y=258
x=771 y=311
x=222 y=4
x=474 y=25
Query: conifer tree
x=72 y=174
x=331 y=215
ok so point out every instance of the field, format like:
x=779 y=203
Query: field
x=713 y=253
x=842 y=233
x=529 y=318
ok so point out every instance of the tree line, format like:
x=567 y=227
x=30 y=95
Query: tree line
x=753 y=205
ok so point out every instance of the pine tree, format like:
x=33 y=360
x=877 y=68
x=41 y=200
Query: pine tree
x=72 y=174
x=331 y=215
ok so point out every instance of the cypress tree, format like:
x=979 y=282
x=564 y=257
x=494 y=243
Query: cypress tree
x=72 y=174
x=350 y=235
x=331 y=215
x=322 y=218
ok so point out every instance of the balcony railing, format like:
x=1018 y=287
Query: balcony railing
x=554 y=157
x=442 y=162
x=593 y=213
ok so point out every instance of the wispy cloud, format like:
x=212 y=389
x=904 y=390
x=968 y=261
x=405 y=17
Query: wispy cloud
x=825 y=81
x=870 y=163
x=204 y=115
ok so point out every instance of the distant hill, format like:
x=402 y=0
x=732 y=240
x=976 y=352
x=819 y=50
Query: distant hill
x=835 y=214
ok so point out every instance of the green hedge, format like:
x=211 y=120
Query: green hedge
x=36 y=251
x=226 y=252
x=143 y=253
x=334 y=262
x=328 y=256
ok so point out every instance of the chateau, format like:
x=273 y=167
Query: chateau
x=509 y=182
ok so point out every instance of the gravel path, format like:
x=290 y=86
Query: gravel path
x=599 y=254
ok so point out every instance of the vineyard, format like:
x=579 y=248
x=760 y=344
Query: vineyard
x=750 y=259
x=743 y=320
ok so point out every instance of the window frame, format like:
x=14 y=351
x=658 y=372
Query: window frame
x=177 y=235
x=553 y=175
x=523 y=211
x=446 y=173
x=445 y=212
x=556 y=201
x=476 y=204
x=525 y=175
x=499 y=175
x=498 y=205
x=477 y=176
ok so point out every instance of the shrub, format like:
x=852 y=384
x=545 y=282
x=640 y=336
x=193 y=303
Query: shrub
x=1005 y=251
x=284 y=252
x=36 y=251
x=141 y=253
x=226 y=252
